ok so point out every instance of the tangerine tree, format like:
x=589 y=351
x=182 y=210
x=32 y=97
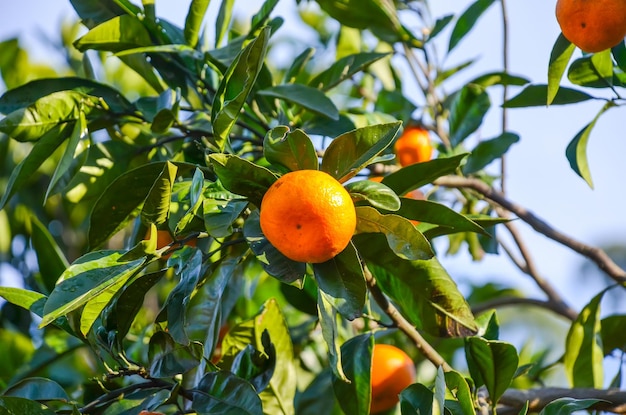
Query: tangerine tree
x=190 y=214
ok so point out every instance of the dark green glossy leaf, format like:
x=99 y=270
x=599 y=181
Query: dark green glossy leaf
x=93 y=275
x=242 y=177
x=619 y=54
x=417 y=175
x=583 y=358
x=169 y=359
x=356 y=354
x=224 y=393
x=493 y=362
x=261 y=18
x=28 y=300
x=51 y=260
x=93 y=12
x=341 y=278
x=576 y=151
x=235 y=87
x=376 y=194
x=403 y=238
x=487 y=151
x=274 y=263
x=423 y=290
x=156 y=207
x=467 y=20
x=181 y=50
x=31 y=123
x=130 y=301
x=439 y=214
x=193 y=21
x=559 y=59
x=394 y=102
x=353 y=151
x=458 y=387
x=595 y=71
x=14 y=405
x=329 y=322
x=219 y=215
x=613 y=333
x=222 y=21
x=499 y=78
x=416 y=399
x=304 y=96
x=36 y=388
x=567 y=406
x=292 y=149
x=536 y=95
x=29 y=93
x=467 y=110
x=299 y=65
x=344 y=69
x=114 y=35
x=41 y=151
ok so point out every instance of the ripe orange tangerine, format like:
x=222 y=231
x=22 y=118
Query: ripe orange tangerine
x=592 y=25
x=392 y=371
x=308 y=216
x=413 y=146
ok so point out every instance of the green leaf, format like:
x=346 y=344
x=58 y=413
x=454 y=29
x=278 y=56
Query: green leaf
x=353 y=151
x=440 y=24
x=416 y=399
x=235 y=87
x=32 y=91
x=222 y=21
x=458 y=387
x=15 y=405
x=356 y=354
x=292 y=149
x=467 y=20
x=156 y=207
x=536 y=95
x=329 y=322
x=376 y=194
x=79 y=133
x=39 y=389
x=242 y=177
x=273 y=262
x=468 y=107
x=344 y=69
x=583 y=354
x=169 y=359
x=487 y=151
x=115 y=35
x=31 y=123
x=424 y=292
x=566 y=406
x=92 y=275
x=492 y=363
x=306 y=97
x=449 y=220
x=576 y=151
x=219 y=215
x=41 y=151
x=93 y=12
x=193 y=21
x=613 y=333
x=499 y=78
x=262 y=16
x=51 y=260
x=403 y=238
x=341 y=279
x=559 y=59
x=130 y=301
x=595 y=71
x=28 y=300
x=298 y=65
x=417 y=175
x=224 y=393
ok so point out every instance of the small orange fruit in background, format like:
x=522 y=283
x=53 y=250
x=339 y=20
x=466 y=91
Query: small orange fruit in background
x=150 y=413
x=392 y=371
x=164 y=238
x=592 y=25
x=413 y=146
x=308 y=216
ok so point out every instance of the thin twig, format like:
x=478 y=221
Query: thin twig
x=505 y=68
x=513 y=301
x=407 y=328
x=597 y=255
x=513 y=400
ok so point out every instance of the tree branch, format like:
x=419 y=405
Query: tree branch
x=514 y=400
x=407 y=328
x=597 y=255
x=512 y=301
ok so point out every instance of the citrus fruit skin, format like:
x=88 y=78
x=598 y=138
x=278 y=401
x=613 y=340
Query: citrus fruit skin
x=164 y=238
x=413 y=146
x=592 y=25
x=308 y=216
x=392 y=371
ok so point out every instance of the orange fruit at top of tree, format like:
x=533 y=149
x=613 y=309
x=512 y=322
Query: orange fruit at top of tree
x=592 y=25
x=413 y=146
x=308 y=216
x=392 y=371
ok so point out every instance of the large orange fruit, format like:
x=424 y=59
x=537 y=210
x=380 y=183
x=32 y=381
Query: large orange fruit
x=413 y=146
x=392 y=371
x=592 y=25
x=308 y=216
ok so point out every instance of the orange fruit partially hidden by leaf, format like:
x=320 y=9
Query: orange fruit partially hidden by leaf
x=150 y=413
x=164 y=239
x=592 y=25
x=308 y=216
x=392 y=371
x=417 y=195
x=413 y=146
